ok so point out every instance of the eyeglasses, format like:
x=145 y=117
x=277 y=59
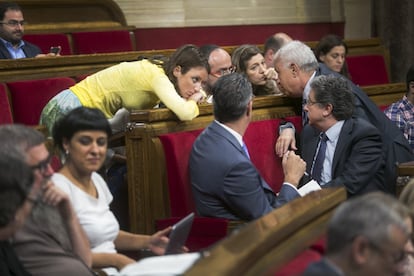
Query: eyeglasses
x=14 y=23
x=43 y=166
x=310 y=102
x=397 y=258
x=224 y=71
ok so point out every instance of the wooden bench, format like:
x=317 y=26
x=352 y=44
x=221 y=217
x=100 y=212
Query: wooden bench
x=268 y=244
x=63 y=16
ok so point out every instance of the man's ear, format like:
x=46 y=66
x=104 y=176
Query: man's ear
x=327 y=110
x=177 y=71
x=249 y=108
x=360 y=250
x=294 y=68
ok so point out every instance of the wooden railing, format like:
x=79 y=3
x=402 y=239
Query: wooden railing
x=265 y=245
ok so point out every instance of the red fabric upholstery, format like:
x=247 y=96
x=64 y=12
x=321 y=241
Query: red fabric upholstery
x=29 y=97
x=205 y=231
x=260 y=138
x=298 y=265
x=6 y=115
x=102 y=42
x=177 y=149
x=367 y=69
x=45 y=41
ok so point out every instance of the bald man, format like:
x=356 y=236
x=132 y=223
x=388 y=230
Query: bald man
x=272 y=44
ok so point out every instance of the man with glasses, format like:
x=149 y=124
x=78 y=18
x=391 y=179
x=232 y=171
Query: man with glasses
x=296 y=66
x=367 y=235
x=51 y=242
x=340 y=150
x=12 y=45
x=220 y=65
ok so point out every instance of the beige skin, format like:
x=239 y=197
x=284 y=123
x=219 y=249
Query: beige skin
x=87 y=151
x=218 y=60
x=190 y=84
x=291 y=81
x=270 y=52
x=14 y=34
x=335 y=58
x=319 y=116
x=257 y=71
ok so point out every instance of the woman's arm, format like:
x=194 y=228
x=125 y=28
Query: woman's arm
x=101 y=260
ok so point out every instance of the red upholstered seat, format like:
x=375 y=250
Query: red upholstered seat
x=368 y=69
x=102 y=42
x=45 y=41
x=29 y=97
x=205 y=231
x=6 y=116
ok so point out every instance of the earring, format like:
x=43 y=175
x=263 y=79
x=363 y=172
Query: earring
x=67 y=152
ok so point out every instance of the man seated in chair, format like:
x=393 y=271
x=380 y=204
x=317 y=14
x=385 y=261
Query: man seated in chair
x=224 y=181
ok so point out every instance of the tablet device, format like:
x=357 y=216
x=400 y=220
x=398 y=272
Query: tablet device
x=179 y=234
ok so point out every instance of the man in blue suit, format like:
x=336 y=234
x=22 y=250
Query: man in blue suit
x=224 y=181
x=353 y=155
x=297 y=66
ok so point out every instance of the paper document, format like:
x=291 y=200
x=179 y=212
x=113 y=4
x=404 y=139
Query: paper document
x=162 y=265
x=309 y=187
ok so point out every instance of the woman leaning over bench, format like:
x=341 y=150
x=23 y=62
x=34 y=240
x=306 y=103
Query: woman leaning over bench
x=142 y=84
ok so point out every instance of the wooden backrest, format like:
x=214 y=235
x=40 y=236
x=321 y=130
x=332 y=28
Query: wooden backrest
x=268 y=243
x=52 y=16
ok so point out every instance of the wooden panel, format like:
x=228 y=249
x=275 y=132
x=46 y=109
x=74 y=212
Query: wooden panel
x=264 y=245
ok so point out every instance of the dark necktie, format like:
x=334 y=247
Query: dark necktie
x=317 y=167
x=304 y=114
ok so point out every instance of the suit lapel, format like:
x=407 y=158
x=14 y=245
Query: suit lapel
x=343 y=142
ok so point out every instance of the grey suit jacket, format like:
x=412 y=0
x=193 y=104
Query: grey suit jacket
x=224 y=181
x=358 y=162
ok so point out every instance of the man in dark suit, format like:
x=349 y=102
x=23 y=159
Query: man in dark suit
x=296 y=66
x=367 y=235
x=352 y=155
x=12 y=46
x=224 y=181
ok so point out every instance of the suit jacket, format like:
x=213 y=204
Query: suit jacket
x=358 y=161
x=395 y=146
x=29 y=49
x=322 y=268
x=224 y=181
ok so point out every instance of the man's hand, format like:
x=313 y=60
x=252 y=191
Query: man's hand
x=293 y=167
x=286 y=139
x=54 y=196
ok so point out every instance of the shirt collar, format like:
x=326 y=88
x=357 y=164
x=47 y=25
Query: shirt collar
x=233 y=132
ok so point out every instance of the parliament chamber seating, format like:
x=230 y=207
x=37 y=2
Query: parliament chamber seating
x=368 y=69
x=45 y=41
x=6 y=115
x=102 y=42
x=29 y=97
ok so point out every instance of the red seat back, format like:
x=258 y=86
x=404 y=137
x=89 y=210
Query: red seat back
x=177 y=149
x=368 y=69
x=45 y=41
x=29 y=97
x=6 y=116
x=102 y=42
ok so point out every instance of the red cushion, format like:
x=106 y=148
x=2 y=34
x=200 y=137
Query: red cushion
x=6 y=116
x=298 y=265
x=367 y=69
x=204 y=232
x=260 y=138
x=29 y=97
x=102 y=42
x=45 y=41
x=177 y=149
